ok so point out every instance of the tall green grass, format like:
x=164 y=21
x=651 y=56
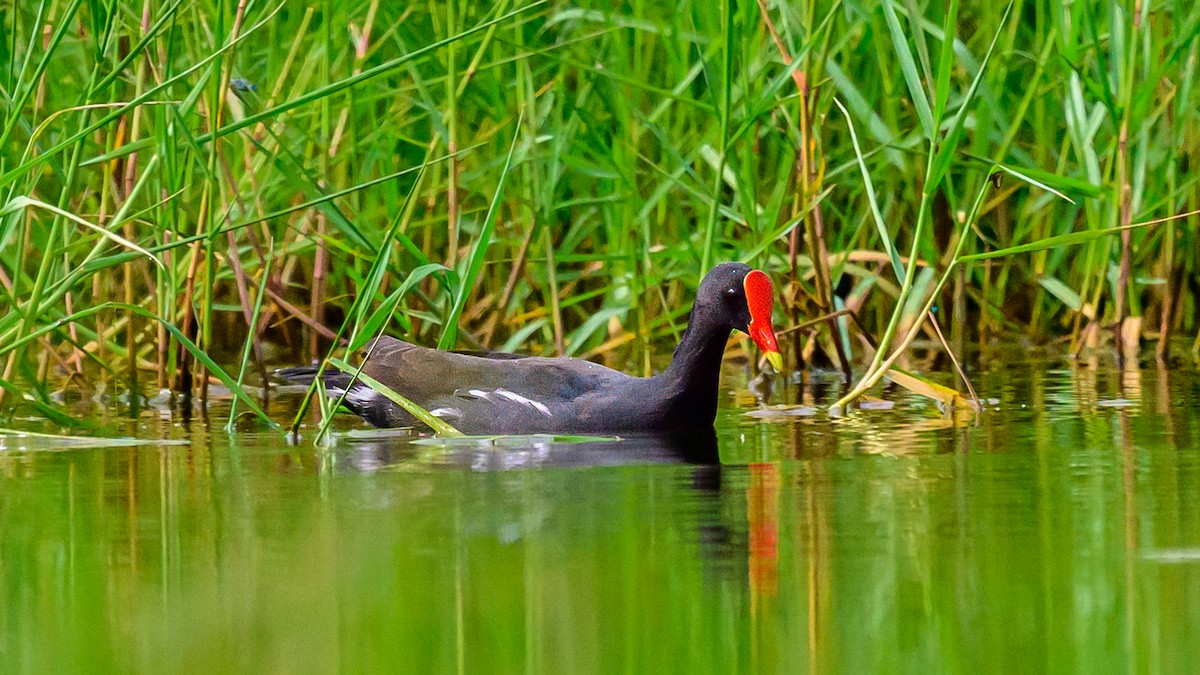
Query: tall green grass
x=166 y=166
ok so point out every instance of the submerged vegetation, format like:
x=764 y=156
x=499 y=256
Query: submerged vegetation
x=186 y=185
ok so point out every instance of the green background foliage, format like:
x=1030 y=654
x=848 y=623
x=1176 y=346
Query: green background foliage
x=347 y=160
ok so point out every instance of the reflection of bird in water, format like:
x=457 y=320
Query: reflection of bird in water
x=763 y=386
x=371 y=453
x=737 y=523
x=762 y=517
x=721 y=546
x=708 y=508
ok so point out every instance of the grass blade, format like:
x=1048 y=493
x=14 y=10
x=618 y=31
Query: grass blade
x=18 y=203
x=908 y=66
x=880 y=226
x=478 y=253
x=945 y=152
x=439 y=427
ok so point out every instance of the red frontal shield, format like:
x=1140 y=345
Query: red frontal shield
x=760 y=299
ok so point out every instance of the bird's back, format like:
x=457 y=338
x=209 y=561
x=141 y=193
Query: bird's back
x=490 y=392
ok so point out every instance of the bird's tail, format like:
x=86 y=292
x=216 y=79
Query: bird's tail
x=332 y=377
x=360 y=399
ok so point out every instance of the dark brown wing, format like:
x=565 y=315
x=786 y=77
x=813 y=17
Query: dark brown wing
x=421 y=373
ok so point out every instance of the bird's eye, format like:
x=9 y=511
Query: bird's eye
x=731 y=292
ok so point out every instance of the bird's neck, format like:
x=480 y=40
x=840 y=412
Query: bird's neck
x=692 y=380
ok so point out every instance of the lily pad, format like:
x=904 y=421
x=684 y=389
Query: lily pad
x=28 y=441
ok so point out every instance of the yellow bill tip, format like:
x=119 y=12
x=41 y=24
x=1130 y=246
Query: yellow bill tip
x=776 y=360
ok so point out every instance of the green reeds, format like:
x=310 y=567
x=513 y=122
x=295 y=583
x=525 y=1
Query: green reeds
x=247 y=174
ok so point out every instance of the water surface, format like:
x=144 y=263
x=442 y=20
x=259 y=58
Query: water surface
x=1059 y=530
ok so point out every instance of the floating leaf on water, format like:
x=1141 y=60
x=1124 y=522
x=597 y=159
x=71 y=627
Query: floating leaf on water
x=875 y=404
x=521 y=440
x=377 y=434
x=513 y=440
x=780 y=411
x=928 y=388
x=27 y=441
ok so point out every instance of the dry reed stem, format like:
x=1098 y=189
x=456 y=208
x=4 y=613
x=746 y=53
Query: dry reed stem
x=814 y=226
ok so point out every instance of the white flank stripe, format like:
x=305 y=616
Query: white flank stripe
x=536 y=405
x=361 y=395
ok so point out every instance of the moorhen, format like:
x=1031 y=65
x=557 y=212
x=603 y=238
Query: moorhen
x=500 y=393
